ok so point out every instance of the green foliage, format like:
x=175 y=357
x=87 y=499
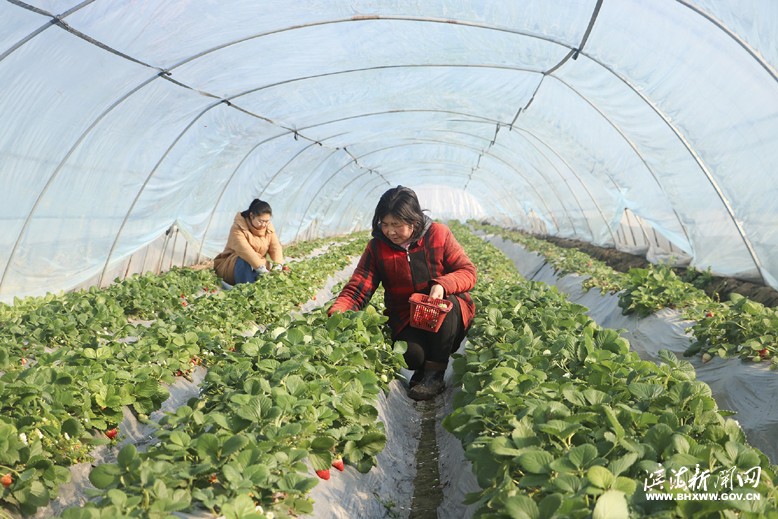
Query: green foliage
x=72 y=364
x=658 y=286
x=563 y=260
x=557 y=416
x=737 y=328
x=304 y=389
x=560 y=419
x=697 y=278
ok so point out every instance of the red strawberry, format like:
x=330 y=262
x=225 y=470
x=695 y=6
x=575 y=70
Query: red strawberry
x=111 y=433
x=213 y=479
x=324 y=474
x=183 y=303
x=183 y=295
x=6 y=480
x=286 y=268
x=709 y=314
x=764 y=353
x=338 y=464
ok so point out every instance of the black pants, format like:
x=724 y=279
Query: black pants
x=437 y=346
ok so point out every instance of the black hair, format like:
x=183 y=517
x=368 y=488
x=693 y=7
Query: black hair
x=402 y=203
x=257 y=207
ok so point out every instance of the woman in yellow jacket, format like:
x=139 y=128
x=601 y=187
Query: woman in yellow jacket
x=252 y=238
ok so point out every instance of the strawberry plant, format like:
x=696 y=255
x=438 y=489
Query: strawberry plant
x=559 y=418
x=555 y=413
x=339 y=425
x=302 y=389
x=82 y=359
x=308 y=247
x=563 y=260
x=656 y=287
x=737 y=328
x=697 y=278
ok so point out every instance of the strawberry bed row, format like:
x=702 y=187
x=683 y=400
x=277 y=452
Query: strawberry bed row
x=558 y=417
x=304 y=390
x=737 y=328
x=73 y=362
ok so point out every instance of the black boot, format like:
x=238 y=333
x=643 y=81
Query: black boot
x=431 y=383
x=418 y=375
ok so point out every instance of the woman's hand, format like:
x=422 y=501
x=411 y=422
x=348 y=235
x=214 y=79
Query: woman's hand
x=437 y=292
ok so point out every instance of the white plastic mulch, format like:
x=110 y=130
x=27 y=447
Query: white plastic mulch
x=386 y=491
x=744 y=387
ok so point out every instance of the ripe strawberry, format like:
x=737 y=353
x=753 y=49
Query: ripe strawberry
x=6 y=480
x=213 y=479
x=111 y=433
x=764 y=353
x=709 y=314
x=183 y=303
x=314 y=298
x=183 y=295
x=338 y=464
x=23 y=361
x=324 y=473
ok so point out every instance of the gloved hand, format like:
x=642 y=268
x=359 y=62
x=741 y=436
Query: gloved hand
x=277 y=266
x=261 y=270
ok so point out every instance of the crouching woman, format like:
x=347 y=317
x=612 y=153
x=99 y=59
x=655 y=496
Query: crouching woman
x=252 y=238
x=409 y=253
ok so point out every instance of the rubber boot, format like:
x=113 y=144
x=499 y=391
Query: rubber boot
x=431 y=383
x=418 y=375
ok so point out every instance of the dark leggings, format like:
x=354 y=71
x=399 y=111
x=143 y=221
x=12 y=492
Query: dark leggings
x=437 y=346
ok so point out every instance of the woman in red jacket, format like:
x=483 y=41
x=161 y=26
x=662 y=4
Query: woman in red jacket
x=409 y=253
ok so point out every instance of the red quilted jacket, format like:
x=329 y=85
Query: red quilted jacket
x=436 y=257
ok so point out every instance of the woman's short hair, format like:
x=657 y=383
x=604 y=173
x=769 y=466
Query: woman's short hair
x=402 y=203
x=257 y=207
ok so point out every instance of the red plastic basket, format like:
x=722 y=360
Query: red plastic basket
x=428 y=312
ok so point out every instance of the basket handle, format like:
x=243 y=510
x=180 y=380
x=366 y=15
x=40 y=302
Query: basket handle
x=425 y=300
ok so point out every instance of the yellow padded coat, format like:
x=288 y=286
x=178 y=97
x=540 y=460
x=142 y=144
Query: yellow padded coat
x=250 y=243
